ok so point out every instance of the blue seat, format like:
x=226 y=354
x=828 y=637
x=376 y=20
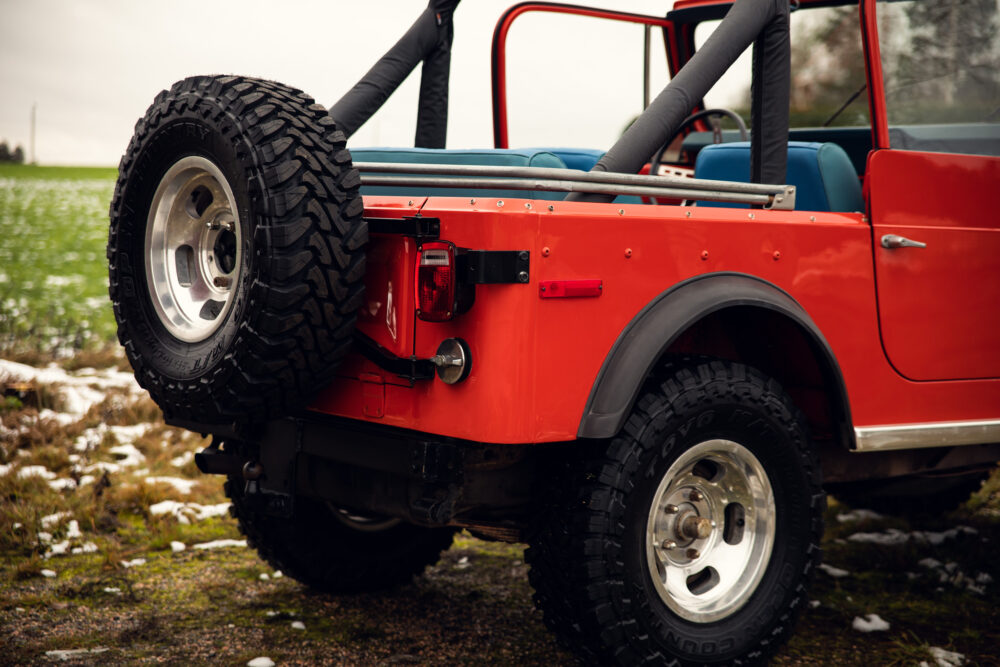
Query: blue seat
x=529 y=157
x=822 y=173
x=583 y=159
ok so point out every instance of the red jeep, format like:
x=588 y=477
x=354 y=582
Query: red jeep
x=649 y=379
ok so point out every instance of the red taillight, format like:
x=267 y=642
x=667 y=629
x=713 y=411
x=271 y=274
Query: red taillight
x=435 y=281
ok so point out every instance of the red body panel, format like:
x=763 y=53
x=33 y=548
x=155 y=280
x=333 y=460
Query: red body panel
x=919 y=344
x=938 y=305
x=387 y=314
x=535 y=360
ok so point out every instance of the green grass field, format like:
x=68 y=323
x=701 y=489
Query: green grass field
x=53 y=271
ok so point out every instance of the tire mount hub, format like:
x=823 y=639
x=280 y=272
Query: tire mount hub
x=710 y=531
x=193 y=247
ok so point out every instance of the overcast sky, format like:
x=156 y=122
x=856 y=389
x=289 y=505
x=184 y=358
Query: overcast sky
x=93 y=67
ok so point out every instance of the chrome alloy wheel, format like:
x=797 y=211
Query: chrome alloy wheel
x=710 y=531
x=193 y=249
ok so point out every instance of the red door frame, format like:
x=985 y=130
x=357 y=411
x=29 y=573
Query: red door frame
x=876 y=83
x=499 y=49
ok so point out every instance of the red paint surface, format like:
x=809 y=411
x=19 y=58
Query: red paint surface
x=940 y=305
x=535 y=360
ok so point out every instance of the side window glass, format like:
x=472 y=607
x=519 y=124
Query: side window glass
x=828 y=71
x=941 y=67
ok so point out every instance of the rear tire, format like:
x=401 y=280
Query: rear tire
x=236 y=249
x=334 y=551
x=689 y=538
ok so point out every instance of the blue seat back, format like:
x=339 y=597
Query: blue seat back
x=529 y=157
x=583 y=159
x=822 y=173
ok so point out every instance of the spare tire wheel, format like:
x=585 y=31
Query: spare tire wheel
x=236 y=249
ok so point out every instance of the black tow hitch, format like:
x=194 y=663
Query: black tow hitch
x=214 y=461
x=256 y=498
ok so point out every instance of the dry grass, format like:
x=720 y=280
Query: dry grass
x=474 y=607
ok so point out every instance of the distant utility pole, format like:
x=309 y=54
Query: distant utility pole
x=34 y=107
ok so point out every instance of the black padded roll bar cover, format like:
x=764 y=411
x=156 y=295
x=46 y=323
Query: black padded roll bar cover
x=769 y=96
x=432 y=109
x=424 y=38
x=763 y=23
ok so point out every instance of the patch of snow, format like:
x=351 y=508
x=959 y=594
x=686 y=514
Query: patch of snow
x=177 y=547
x=270 y=613
x=871 y=623
x=90 y=438
x=135 y=562
x=859 y=515
x=35 y=471
x=935 y=538
x=73 y=530
x=70 y=654
x=79 y=392
x=261 y=662
x=126 y=435
x=264 y=576
x=87 y=548
x=48 y=574
x=181 y=485
x=298 y=625
x=188 y=512
x=834 y=572
x=463 y=563
x=62 y=483
x=220 y=544
x=278 y=574
x=128 y=455
x=87 y=479
x=53 y=520
x=58 y=549
x=929 y=563
x=112 y=589
x=814 y=603
x=61 y=418
x=893 y=536
x=101 y=466
x=5 y=469
x=946 y=658
x=890 y=537
x=983 y=578
x=182 y=460
x=44 y=538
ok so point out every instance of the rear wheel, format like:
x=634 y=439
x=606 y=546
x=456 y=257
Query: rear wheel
x=236 y=249
x=690 y=536
x=336 y=551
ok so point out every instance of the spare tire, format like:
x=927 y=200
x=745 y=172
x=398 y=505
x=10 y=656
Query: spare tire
x=236 y=249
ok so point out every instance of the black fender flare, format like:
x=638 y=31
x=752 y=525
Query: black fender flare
x=651 y=332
